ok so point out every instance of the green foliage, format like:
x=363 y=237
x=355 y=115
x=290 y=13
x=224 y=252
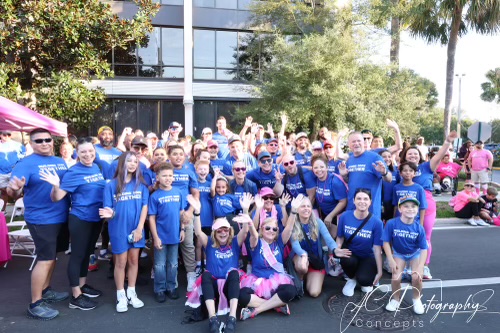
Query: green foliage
x=432 y=127
x=495 y=130
x=49 y=49
x=491 y=89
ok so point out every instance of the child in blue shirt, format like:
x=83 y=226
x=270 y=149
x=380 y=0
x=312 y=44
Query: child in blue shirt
x=224 y=203
x=404 y=242
x=408 y=188
x=166 y=205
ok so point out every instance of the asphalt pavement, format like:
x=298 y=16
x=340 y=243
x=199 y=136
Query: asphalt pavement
x=464 y=266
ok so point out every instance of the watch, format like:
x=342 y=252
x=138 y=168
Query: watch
x=183 y=229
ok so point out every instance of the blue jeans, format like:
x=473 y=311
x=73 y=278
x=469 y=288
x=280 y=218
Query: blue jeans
x=166 y=268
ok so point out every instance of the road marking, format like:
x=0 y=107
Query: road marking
x=465 y=226
x=432 y=284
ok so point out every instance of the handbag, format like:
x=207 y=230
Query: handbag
x=314 y=261
x=346 y=243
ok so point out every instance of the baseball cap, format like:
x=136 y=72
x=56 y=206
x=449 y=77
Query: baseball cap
x=408 y=199
x=206 y=130
x=139 y=140
x=234 y=138
x=260 y=126
x=151 y=136
x=220 y=223
x=479 y=142
x=300 y=135
x=266 y=191
x=316 y=145
x=328 y=143
x=272 y=140
x=104 y=128
x=212 y=143
x=263 y=154
x=174 y=124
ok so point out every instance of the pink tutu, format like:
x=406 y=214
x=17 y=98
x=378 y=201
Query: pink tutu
x=264 y=288
x=5 y=254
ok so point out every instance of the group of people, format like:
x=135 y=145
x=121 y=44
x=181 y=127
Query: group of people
x=286 y=210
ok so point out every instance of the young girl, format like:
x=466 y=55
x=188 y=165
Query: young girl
x=408 y=188
x=404 y=242
x=126 y=207
x=224 y=203
x=467 y=204
x=387 y=188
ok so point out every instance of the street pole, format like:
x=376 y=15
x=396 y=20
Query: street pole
x=459 y=111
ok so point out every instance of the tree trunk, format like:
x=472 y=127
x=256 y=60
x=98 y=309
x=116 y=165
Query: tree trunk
x=395 y=38
x=450 y=65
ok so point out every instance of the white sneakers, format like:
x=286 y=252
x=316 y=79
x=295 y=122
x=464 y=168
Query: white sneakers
x=349 y=287
x=123 y=301
x=477 y=222
x=418 y=307
x=427 y=273
x=191 y=279
x=471 y=221
x=367 y=289
x=393 y=305
x=481 y=223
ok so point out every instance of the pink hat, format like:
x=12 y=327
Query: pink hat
x=265 y=191
x=220 y=223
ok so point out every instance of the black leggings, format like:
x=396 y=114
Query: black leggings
x=286 y=292
x=470 y=210
x=104 y=236
x=211 y=291
x=363 y=269
x=84 y=235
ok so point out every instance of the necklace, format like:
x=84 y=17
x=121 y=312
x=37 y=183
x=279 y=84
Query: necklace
x=320 y=199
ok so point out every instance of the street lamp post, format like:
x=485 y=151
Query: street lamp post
x=459 y=111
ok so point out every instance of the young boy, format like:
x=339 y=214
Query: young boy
x=165 y=207
x=404 y=242
x=202 y=169
x=407 y=188
x=489 y=205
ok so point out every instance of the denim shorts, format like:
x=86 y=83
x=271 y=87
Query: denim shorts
x=407 y=257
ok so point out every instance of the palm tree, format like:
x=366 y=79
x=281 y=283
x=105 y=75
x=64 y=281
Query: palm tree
x=445 y=21
x=491 y=90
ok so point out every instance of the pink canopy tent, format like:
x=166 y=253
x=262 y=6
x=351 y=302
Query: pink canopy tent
x=16 y=117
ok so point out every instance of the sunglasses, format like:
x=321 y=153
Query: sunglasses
x=267 y=228
x=288 y=163
x=468 y=185
x=266 y=161
x=273 y=144
x=139 y=148
x=222 y=230
x=213 y=147
x=40 y=141
x=5 y=134
x=207 y=134
x=366 y=138
x=268 y=197
x=174 y=128
x=240 y=169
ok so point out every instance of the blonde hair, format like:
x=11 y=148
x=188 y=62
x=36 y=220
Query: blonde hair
x=215 y=242
x=298 y=234
x=267 y=221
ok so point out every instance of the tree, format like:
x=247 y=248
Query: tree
x=491 y=89
x=49 y=50
x=445 y=21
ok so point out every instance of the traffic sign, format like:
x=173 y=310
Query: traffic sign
x=479 y=131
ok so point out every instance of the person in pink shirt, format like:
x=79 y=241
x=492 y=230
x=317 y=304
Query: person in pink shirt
x=446 y=171
x=467 y=204
x=480 y=161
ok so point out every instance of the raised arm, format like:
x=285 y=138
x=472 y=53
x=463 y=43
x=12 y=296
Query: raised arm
x=434 y=162
x=246 y=222
x=259 y=205
x=283 y=202
x=195 y=203
x=397 y=137
x=51 y=177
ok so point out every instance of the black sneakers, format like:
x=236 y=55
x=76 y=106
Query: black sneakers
x=160 y=297
x=230 y=325
x=89 y=291
x=215 y=325
x=52 y=296
x=42 y=311
x=173 y=294
x=82 y=302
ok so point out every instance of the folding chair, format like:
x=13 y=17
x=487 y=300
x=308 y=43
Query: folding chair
x=17 y=211
x=22 y=244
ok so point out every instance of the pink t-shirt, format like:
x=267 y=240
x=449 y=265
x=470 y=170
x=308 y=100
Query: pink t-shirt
x=448 y=170
x=462 y=199
x=479 y=159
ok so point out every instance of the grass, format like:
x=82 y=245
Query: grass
x=443 y=210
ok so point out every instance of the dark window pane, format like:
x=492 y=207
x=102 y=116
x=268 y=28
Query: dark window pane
x=148 y=116
x=204 y=48
x=204 y=3
x=125 y=114
x=173 y=72
x=204 y=116
x=226 y=49
x=226 y=75
x=149 y=55
x=172 y=111
x=125 y=70
x=231 y=4
x=149 y=71
x=204 y=74
x=173 y=46
x=227 y=109
x=103 y=117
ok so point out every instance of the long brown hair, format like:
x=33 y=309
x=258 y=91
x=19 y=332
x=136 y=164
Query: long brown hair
x=121 y=173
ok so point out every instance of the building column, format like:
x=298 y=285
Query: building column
x=188 y=68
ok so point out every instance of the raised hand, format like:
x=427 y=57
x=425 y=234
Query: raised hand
x=253 y=129
x=342 y=253
x=127 y=131
x=380 y=167
x=165 y=135
x=343 y=169
x=284 y=118
x=392 y=124
x=259 y=202
x=195 y=203
x=248 y=121
x=296 y=202
x=278 y=175
x=50 y=176
x=16 y=184
x=242 y=218
x=269 y=128
x=285 y=199
x=452 y=136
x=246 y=200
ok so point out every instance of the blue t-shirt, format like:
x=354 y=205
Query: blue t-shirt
x=10 y=152
x=260 y=267
x=333 y=166
x=166 y=206
x=185 y=180
x=107 y=155
x=218 y=164
x=248 y=159
x=239 y=190
x=147 y=174
x=226 y=204
x=414 y=191
x=222 y=260
x=85 y=184
x=370 y=235
x=279 y=216
x=207 y=211
x=405 y=238
x=362 y=174
x=128 y=207
x=294 y=186
x=424 y=176
x=38 y=207
x=262 y=179
x=303 y=159
x=388 y=187
x=223 y=144
x=329 y=193
x=324 y=236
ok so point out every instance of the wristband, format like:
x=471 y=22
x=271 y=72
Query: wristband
x=194 y=214
x=293 y=212
x=385 y=174
x=183 y=229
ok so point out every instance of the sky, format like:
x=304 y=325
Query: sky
x=475 y=55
